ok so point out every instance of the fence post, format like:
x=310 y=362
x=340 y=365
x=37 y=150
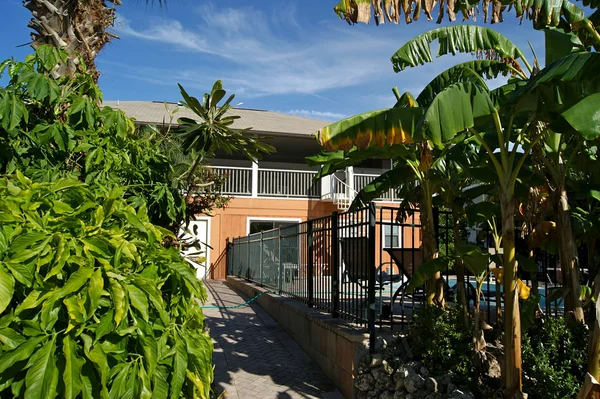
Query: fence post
x=371 y=268
x=335 y=262
x=247 y=258
x=280 y=282
x=260 y=259
x=309 y=238
x=227 y=258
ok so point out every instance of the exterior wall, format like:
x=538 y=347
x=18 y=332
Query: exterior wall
x=232 y=221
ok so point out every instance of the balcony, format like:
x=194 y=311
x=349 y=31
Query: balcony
x=287 y=183
x=259 y=182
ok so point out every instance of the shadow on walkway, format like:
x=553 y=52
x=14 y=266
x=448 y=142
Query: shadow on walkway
x=254 y=357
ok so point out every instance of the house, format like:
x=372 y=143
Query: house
x=276 y=190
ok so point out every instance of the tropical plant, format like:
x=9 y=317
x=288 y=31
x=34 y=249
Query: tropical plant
x=91 y=303
x=50 y=128
x=80 y=28
x=544 y=14
x=214 y=131
x=506 y=119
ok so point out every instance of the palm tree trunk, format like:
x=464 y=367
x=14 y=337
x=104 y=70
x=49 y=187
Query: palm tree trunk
x=77 y=27
x=512 y=323
x=568 y=253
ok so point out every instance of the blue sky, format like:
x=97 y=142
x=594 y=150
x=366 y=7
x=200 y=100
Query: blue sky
x=287 y=56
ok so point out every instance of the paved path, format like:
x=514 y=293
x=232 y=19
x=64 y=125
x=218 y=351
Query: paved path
x=254 y=357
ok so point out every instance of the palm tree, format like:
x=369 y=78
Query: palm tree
x=80 y=27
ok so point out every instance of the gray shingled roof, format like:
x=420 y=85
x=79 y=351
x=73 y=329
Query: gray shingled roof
x=260 y=121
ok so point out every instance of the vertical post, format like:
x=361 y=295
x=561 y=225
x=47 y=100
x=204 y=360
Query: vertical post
x=335 y=266
x=254 y=179
x=247 y=258
x=350 y=182
x=260 y=259
x=309 y=238
x=371 y=268
x=227 y=258
x=280 y=269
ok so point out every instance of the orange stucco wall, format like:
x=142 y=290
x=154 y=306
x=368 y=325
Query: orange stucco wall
x=232 y=221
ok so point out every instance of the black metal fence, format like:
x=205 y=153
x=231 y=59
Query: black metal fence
x=356 y=265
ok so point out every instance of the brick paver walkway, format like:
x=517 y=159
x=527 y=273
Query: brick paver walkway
x=254 y=357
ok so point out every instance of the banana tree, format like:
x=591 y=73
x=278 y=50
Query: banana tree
x=469 y=106
x=545 y=13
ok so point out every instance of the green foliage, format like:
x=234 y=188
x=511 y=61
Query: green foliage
x=554 y=359
x=442 y=343
x=92 y=303
x=53 y=128
x=93 y=294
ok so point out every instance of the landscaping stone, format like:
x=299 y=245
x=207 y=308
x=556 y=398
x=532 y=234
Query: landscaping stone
x=364 y=382
x=391 y=374
x=431 y=385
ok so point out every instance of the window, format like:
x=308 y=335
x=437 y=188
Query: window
x=391 y=236
x=256 y=226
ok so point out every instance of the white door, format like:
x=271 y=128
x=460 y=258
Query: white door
x=198 y=256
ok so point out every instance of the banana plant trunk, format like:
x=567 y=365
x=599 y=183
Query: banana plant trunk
x=78 y=27
x=434 y=287
x=460 y=269
x=568 y=253
x=512 y=322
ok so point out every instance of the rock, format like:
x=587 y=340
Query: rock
x=433 y=395
x=413 y=383
x=402 y=372
x=361 y=395
x=451 y=388
x=424 y=372
x=364 y=382
x=373 y=394
x=380 y=344
x=387 y=395
x=387 y=367
x=444 y=380
x=431 y=384
x=400 y=395
x=458 y=394
x=376 y=360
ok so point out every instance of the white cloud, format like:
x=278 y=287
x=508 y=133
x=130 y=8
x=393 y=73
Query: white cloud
x=261 y=58
x=328 y=116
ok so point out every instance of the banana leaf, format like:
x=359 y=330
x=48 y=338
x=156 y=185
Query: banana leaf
x=453 y=40
x=380 y=128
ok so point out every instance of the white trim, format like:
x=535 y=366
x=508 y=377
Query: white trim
x=207 y=243
x=314 y=172
x=228 y=167
x=254 y=181
x=250 y=219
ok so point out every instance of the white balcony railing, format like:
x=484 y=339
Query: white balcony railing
x=288 y=183
x=363 y=179
x=270 y=182
x=238 y=182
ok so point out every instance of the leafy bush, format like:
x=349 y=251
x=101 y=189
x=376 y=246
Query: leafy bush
x=50 y=129
x=554 y=359
x=92 y=304
x=442 y=343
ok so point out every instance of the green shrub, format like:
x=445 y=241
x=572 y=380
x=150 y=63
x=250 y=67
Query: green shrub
x=442 y=344
x=554 y=359
x=92 y=304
